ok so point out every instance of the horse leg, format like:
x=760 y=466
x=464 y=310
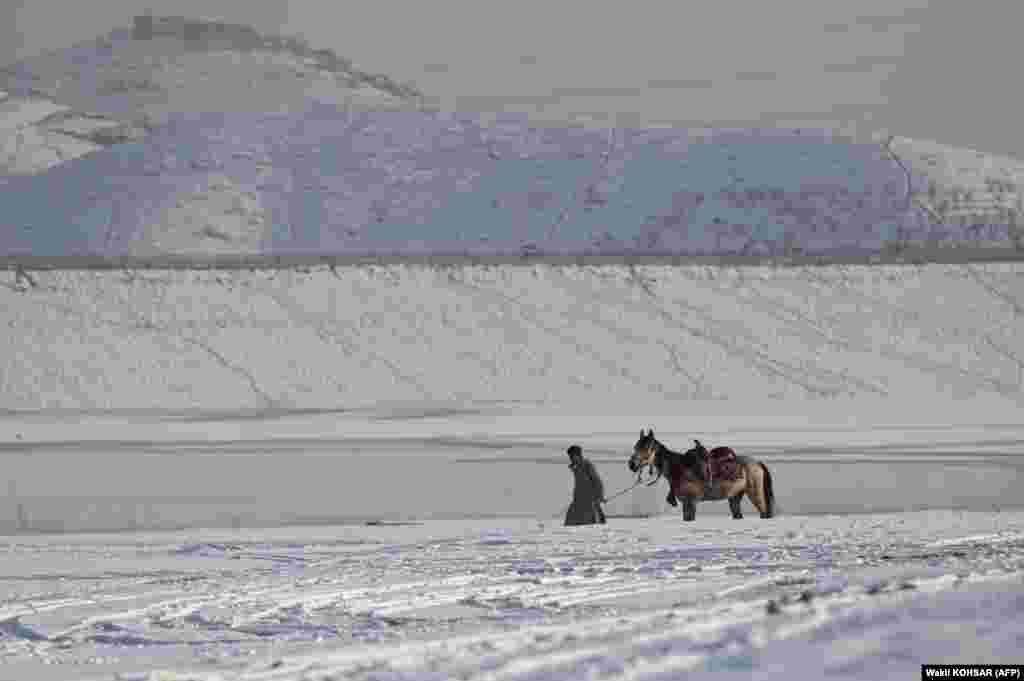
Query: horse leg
x=768 y=491
x=734 y=506
x=689 y=509
x=755 y=489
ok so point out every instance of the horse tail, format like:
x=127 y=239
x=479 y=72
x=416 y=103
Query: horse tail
x=769 y=493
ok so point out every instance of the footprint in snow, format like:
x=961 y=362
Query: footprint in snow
x=532 y=567
x=494 y=538
x=13 y=629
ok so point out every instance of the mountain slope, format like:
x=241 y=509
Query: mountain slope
x=193 y=137
x=615 y=335
x=129 y=81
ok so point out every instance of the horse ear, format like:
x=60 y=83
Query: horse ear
x=650 y=431
x=697 y=442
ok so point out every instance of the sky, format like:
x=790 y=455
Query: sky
x=935 y=70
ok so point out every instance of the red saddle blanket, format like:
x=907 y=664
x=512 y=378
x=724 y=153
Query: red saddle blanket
x=721 y=464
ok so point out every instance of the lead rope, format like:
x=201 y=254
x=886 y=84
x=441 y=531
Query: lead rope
x=628 y=489
x=632 y=487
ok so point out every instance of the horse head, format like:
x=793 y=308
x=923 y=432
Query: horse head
x=645 y=451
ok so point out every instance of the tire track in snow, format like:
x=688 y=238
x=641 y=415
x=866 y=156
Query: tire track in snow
x=1010 y=355
x=758 y=349
x=1018 y=310
x=236 y=369
x=796 y=317
x=937 y=324
x=625 y=334
x=814 y=369
x=752 y=353
x=162 y=334
x=670 y=348
x=37 y=299
x=321 y=327
x=908 y=359
x=448 y=323
x=528 y=313
x=481 y=609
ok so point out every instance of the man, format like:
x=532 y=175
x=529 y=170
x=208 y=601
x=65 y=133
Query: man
x=587 y=493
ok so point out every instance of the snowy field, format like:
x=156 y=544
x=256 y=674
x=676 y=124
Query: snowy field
x=345 y=337
x=805 y=597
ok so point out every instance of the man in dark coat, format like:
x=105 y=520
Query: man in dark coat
x=587 y=493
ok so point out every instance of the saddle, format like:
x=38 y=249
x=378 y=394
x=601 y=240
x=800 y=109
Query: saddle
x=721 y=464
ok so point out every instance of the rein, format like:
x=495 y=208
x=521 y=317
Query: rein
x=628 y=489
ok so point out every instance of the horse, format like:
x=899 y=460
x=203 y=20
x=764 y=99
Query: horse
x=687 y=475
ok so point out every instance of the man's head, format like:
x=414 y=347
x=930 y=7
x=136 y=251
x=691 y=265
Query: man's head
x=574 y=452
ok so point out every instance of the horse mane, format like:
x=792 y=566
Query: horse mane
x=669 y=458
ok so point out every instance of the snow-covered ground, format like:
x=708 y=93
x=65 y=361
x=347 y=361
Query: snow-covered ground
x=382 y=449
x=467 y=334
x=796 y=597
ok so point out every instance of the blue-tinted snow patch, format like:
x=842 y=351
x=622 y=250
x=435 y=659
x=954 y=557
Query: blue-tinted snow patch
x=428 y=183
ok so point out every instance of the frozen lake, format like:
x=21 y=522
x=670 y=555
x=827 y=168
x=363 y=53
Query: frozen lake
x=146 y=470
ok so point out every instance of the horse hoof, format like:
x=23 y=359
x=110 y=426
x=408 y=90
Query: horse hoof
x=766 y=515
x=738 y=517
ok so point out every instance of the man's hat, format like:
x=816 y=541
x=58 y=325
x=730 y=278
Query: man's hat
x=574 y=450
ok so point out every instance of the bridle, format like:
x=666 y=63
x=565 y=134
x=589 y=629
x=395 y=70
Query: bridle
x=651 y=464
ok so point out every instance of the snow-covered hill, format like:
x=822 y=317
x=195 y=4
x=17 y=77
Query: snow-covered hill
x=337 y=337
x=65 y=104
x=194 y=137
